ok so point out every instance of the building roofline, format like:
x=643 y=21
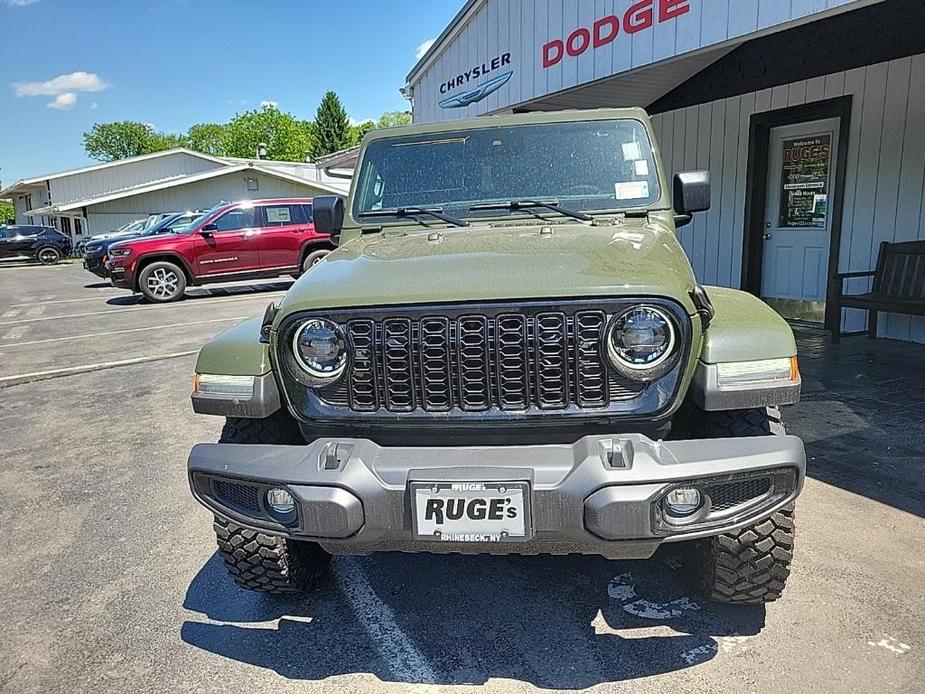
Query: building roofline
x=260 y=162
x=109 y=164
x=470 y=7
x=338 y=156
x=181 y=181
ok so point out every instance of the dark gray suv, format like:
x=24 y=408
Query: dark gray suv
x=45 y=244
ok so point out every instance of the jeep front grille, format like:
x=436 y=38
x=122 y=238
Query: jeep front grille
x=475 y=361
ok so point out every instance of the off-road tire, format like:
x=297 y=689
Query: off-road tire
x=751 y=565
x=313 y=258
x=169 y=274
x=48 y=255
x=255 y=560
x=266 y=563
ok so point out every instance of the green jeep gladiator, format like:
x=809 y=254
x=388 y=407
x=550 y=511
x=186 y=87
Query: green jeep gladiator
x=507 y=353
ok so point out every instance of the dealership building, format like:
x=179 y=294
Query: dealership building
x=808 y=113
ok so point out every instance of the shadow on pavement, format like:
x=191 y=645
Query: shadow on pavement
x=862 y=417
x=555 y=622
x=210 y=292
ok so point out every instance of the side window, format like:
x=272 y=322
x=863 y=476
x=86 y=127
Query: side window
x=307 y=211
x=236 y=219
x=282 y=215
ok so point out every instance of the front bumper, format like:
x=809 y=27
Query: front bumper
x=96 y=265
x=601 y=495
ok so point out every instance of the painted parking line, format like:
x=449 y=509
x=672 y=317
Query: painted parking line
x=117 y=332
x=20 y=379
x=396 y=648
x=149 y=307
x=54 y=301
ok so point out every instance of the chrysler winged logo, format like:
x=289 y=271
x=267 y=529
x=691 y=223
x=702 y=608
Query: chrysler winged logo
x=477 y=94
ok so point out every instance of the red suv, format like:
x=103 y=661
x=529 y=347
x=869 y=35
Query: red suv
x=232 y=241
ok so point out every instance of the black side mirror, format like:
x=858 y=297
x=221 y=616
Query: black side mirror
x=691 y=194
x=208 y=230
x=328 y=213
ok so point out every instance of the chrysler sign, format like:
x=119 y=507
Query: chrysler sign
x=480 y=90
x=640 y=16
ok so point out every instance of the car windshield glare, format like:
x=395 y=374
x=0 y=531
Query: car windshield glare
x=587 y=166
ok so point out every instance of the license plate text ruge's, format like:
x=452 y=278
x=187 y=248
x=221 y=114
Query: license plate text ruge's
x=471 y=512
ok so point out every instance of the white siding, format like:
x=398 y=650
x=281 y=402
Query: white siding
x=522 y=27
x=94 y=183
x=200 y=195
x=883 y=186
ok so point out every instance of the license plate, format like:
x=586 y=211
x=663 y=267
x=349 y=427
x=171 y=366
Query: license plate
x=471 y=511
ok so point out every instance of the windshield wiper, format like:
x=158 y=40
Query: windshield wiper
x=414 y=211
x=515 y=205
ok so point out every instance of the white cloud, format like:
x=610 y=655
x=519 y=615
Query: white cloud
x=73 y=82
x=355 y=122
x=20 y=3
x=422 y=48
x=94 y=106
x=64 y=102
x=266 y=103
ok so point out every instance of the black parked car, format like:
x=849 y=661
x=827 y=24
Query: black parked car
x=96 y=252
x=45 y=244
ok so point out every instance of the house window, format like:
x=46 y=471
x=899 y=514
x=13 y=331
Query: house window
x=65 y=225
x=78 y=226
x=252 y=184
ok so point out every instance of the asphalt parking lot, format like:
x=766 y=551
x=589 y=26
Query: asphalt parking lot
x=110 y=580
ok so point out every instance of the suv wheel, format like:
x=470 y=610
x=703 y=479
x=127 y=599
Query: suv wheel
x=750 y=565
x=255 y=560
x=162 y=281
x=48 y=255
x=313 y=258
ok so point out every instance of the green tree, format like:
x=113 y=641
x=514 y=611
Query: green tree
x=391 y=119
x=208 y=138
x=111 y=141
x=286 y=137
x=332 y=126
x=7 y=213
x=358 y=131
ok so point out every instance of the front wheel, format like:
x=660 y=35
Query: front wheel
x=313 y=258
x=750 y=565
x=48 y=255
x=255 y=560
x=161 y=282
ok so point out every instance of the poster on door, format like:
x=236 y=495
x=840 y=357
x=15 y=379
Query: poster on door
x=804 y=199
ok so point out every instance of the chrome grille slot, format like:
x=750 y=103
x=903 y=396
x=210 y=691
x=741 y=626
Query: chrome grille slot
x=436 y=382
x=472 y=356
x=398 y=364
x=511 y=361
x=363 y=392
x=590 y=372
x=552 y=373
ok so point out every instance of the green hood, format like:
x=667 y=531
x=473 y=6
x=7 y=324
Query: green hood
x=502 y=261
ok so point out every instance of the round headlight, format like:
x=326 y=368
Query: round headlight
x=320 y=349
x=641 y=340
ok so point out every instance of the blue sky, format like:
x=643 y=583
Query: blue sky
x=173 y=63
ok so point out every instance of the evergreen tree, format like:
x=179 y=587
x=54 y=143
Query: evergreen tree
x=331 y=127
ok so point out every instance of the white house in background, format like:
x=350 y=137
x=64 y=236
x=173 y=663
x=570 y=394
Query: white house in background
x=742 y=88
x=102 y=197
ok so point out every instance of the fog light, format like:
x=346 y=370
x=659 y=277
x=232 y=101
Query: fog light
x=280 y=501
x=683 y=501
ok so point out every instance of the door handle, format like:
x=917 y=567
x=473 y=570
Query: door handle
x=250 y=233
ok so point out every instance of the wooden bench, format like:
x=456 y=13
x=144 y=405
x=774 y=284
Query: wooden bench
x=898 y=286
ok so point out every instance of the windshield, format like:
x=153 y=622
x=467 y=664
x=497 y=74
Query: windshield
x=586 y=165
x=182 y=227
x=177 y=224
